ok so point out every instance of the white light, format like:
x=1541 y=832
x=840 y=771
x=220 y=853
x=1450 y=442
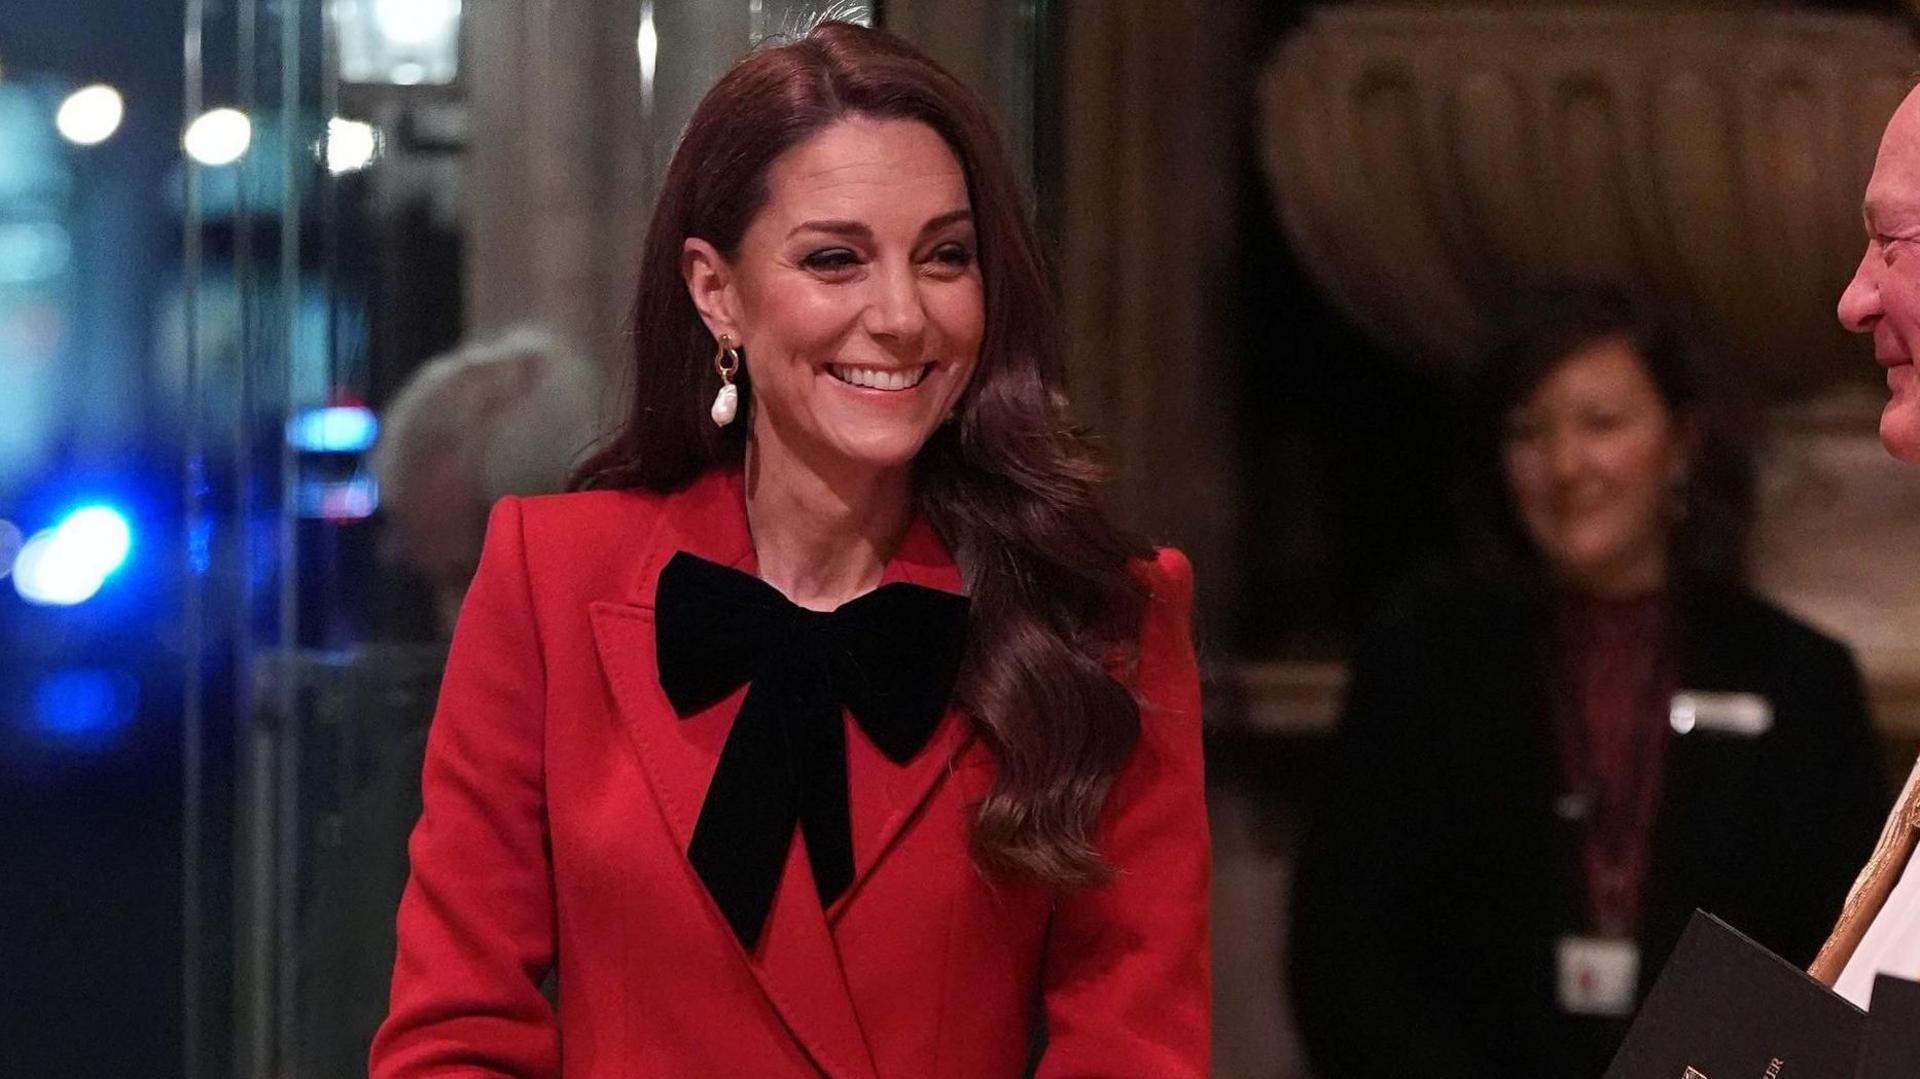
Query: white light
x=649 y=44
x=397 y=42
x=95 y=538
x=44 y=576
x=334 y=429
x=219 y=137
x=90 y=115
x=350 y=145
x=416 y=23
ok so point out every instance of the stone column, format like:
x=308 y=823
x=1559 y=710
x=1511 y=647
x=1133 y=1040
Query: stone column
x=1143 y=187
x=568 y=150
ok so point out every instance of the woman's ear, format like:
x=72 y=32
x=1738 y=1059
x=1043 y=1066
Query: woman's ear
x=710 y=285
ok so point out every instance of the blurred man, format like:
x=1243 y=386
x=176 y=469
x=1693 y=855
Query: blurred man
x=1879 y=927
x=493 y=418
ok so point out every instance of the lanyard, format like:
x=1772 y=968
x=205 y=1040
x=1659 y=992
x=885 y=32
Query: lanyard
x=1615 y=807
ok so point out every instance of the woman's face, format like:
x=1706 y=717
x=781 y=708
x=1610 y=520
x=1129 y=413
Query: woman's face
x=1591 y=459
x=856 y=294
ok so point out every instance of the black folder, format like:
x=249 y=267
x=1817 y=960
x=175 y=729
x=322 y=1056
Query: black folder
x=1893 y=1030
x=1727 y=1008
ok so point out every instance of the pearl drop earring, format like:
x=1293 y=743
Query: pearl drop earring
x=726 y=403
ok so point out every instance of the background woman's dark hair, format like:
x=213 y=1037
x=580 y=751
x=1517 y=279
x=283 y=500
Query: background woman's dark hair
x=1547 y=326
x=1010 y=485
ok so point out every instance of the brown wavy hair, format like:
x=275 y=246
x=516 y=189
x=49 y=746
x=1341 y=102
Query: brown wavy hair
x=1011 y=485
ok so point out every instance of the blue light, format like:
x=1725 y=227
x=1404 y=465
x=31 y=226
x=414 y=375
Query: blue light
x=83 y=703
x=334 y=429
x=66 y=565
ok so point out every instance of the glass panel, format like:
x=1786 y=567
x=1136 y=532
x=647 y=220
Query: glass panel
x=321 y=254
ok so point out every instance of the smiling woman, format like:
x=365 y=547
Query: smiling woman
x=831 y=724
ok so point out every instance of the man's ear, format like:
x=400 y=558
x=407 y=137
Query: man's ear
x=710 y=285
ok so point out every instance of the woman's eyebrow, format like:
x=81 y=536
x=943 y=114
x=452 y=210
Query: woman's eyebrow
x=943 y=220
x=852 y=229
x=857 y=230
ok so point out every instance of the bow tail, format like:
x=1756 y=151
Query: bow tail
x=745 y=830
x=818 y=741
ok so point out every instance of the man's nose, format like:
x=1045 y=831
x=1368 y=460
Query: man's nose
x=1860 y=303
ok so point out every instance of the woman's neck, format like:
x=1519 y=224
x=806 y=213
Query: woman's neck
x=1627 y=580
x=823 y=536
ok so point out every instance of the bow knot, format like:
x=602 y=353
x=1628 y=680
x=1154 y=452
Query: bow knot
x=889 y=657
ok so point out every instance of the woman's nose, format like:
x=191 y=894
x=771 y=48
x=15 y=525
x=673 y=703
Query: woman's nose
x=1565 y=456
x=896 y=310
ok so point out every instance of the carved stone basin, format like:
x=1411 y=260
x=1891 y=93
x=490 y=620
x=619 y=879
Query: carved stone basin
x=1424 y=162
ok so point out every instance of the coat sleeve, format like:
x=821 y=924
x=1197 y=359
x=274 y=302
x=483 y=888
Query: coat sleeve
x=476 y=923
x=1127 y=968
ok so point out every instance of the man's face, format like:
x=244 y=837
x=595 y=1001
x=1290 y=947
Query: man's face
x=1883 y=299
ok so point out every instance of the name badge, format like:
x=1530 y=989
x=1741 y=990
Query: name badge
x=1598 y=976
x=1742 y=715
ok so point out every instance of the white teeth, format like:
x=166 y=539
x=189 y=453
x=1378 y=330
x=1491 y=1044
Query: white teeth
x=880 y=378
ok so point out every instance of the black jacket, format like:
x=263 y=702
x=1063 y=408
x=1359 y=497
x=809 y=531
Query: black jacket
x=1437 y=876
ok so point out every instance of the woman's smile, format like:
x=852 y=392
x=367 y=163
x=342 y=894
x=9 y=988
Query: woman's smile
x=888 y=380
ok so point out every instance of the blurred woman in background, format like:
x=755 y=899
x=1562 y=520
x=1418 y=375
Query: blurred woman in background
x=1550 y=759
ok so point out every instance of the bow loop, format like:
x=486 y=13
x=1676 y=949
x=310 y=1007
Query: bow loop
x=889 y=657
x=724 y=625
x=899 y=655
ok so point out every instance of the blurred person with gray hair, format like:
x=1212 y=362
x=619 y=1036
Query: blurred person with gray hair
x=501 y=416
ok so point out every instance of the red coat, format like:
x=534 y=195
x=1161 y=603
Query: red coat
x=561 y=792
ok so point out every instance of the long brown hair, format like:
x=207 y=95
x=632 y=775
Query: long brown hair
x=1011 y=485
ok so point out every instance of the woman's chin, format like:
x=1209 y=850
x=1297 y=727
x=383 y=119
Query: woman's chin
x=880 y=442
x=877 y=451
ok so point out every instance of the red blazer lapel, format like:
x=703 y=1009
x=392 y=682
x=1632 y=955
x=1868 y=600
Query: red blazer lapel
x=887 y=797
x=797 y=963
x=678 y=755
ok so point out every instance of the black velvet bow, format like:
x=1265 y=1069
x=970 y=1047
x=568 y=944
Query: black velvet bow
x=890 y=656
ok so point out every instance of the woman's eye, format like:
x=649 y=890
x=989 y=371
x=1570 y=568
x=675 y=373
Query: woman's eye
x=831 y=260
x=953 y=256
